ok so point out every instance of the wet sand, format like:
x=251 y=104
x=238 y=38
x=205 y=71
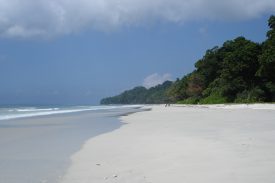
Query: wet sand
x=38 y=149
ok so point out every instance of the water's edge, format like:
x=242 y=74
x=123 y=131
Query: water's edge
x=38 y=149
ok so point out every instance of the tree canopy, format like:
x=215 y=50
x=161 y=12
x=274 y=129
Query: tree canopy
x=239 y=71
x=141 y=95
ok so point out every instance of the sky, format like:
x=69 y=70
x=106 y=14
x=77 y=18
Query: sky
x=66 y=52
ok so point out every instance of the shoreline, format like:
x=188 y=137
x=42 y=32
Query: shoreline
x=38 y=149
x=267 y=106
x=34 y=112
x=182 y=144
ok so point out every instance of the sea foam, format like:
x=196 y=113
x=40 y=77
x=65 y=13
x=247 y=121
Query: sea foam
x=22 y=112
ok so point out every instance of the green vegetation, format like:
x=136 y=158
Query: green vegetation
x=141 y=95
x=240 y=71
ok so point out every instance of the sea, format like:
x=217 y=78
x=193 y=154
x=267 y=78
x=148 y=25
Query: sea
x=30 y=111
x=37 y=143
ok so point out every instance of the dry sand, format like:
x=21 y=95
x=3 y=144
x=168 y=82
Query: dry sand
x=192 y=144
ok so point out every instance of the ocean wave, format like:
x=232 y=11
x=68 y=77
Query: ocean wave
x=32 y=112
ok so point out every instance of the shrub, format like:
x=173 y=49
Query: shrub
x=214 y=98
x=251 y=96
x=190 y=100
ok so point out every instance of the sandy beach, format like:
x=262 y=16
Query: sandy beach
x=193 y=144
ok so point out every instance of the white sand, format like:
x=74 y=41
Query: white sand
x=206 y=144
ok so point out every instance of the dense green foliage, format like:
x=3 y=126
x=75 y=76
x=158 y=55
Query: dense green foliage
x=141 y=95
x=240 y=71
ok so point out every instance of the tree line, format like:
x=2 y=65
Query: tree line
x=239 y=71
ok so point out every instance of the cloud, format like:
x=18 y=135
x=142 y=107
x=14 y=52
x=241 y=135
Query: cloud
x=156 y=79
x=29 y=18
